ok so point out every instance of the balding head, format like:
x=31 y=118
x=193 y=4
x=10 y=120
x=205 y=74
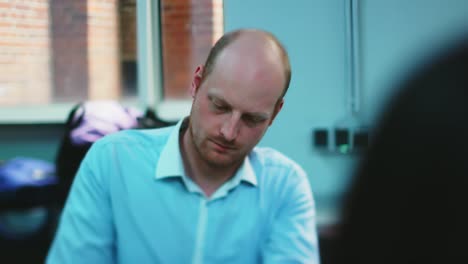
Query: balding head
x=236 y=97
x=249 y=44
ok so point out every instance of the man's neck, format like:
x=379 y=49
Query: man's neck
x=209 y=178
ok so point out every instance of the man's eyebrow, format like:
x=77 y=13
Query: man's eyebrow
x=217 y=98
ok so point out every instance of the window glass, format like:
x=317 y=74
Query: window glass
x=189 y=28
x=56 y=51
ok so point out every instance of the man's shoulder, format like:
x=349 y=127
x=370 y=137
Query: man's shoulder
x=271 y=159
x=137 y=137
x=276 y=172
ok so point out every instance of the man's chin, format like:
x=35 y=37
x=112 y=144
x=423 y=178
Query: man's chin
x=221 y=162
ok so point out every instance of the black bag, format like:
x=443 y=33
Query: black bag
x=88 y=122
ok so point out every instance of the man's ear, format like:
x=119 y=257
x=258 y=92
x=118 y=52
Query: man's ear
x=278 y=107
x=196 y=81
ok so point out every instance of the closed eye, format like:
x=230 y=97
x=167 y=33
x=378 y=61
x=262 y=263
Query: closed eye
x=253 y=119
x=219 y=106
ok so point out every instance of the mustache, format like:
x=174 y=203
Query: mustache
x=223 y=142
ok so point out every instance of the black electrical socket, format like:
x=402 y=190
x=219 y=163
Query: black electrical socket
x=341 y=137
x=321 y=138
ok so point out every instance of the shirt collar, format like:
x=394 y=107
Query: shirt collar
x=246 y=172
x=170 y=162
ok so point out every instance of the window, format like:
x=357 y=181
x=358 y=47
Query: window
x=55 y=53
x=178 y=36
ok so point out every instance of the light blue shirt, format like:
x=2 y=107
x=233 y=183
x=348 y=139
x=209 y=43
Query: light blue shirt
x=131 y=202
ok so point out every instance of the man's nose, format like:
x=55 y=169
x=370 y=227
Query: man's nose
x=230 y=127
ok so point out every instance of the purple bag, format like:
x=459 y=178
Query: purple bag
x=86 y=123
x=94 y=119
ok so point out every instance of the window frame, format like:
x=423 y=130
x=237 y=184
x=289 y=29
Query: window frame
x=150 y=72
x=149 y=76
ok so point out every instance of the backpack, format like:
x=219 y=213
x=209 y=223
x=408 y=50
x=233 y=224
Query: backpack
x=86 y=123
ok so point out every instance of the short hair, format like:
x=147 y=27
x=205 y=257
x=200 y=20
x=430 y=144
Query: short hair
x=229 y=38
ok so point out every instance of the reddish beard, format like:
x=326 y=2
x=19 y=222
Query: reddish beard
x=227 y=149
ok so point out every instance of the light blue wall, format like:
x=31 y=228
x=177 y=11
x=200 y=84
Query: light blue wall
x=398 y=35
x=394 y=35
x=314 y=35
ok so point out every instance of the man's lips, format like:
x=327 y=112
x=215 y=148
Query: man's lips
x=222 y=146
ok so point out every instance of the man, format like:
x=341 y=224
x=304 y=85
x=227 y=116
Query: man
x=198 y=192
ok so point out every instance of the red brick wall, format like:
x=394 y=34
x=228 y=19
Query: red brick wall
x=103 y=49
x=189 y=28
x=24 y=52
x=59 y=50
x=69 y=50
x=69 y=38
x=85 y=46
x=128 y=30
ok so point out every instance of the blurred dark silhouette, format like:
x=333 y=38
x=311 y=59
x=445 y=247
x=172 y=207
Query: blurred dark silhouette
x=408 y=200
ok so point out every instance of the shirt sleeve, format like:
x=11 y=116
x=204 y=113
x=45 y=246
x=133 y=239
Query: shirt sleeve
x=293 y=236
x=86 y=232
